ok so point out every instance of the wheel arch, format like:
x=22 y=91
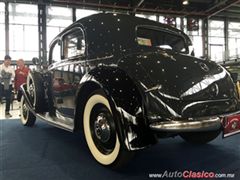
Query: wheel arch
x=126 y=103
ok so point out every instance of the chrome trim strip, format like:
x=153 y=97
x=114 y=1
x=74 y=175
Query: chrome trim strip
x=54 y=121
x=211 y=123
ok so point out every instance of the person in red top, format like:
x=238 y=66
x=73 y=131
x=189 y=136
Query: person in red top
x=21 y=74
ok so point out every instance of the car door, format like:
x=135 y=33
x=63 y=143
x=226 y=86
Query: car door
x=67 y=71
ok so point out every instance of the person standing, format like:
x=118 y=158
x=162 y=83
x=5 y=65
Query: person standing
x=7 y=75
x=21 y=74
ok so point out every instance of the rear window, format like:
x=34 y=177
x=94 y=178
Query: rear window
x=160 y=39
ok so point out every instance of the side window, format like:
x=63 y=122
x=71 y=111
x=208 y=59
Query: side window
x=73 y=44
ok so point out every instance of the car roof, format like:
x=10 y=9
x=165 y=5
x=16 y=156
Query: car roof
x=109 y=33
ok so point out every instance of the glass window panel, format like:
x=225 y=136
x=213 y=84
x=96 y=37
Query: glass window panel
x=238 y=48
x=2 y=30
x=52 y=32
x=232 y=47
x=56 y=53
x=2 y=37
x=234 y=25
x=2 y=54
x=16 y=37
x=161 y=19
x=197 y=46
x=217 y=53
x=216 y=28
x=234 y=29
x=59 y=11
x=58 y=22
x=234 y=32
x=81 y=13
x=216 y=40
x=26 y=55
x=178 y=23
x=18 y=15
x=59 y=16
x=234 y=40
x=2 y=12
x=21 y=8
x=74 y=44
x=23 y=31
x=31 y=42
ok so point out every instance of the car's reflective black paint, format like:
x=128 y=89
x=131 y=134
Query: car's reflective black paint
x=143 y=84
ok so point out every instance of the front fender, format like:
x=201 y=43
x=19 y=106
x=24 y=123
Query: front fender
x=126 y=102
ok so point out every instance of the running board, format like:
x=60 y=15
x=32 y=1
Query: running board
x=53 y=120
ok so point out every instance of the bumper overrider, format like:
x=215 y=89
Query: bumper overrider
x=228 y=123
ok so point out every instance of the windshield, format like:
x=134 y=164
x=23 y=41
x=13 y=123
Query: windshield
x=161 y=39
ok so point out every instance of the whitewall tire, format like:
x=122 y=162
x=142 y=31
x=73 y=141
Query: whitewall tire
x=27 y=118
x=100 y=132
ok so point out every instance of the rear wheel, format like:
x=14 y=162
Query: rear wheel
x=27 y=118
x=36 y=91
x=200 y=137
x=101 y=134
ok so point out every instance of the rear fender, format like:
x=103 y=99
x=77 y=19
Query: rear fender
x=125 y=101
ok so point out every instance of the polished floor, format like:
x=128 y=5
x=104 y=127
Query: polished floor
x=47 y=153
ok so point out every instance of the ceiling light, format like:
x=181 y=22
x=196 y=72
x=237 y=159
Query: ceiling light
x=185 y=2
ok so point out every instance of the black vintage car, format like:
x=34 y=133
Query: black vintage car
x=126 y=82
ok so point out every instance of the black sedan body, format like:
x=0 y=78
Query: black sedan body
x=142 y=73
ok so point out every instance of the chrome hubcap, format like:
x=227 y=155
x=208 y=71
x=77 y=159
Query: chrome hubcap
x=102 y=128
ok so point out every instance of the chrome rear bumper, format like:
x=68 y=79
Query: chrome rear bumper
x=206 y=124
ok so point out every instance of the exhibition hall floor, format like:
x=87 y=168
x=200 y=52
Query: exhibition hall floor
x=47 y=153
x=14 y=110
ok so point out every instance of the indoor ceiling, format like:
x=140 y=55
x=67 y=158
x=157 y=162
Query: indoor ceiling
x=197 y=8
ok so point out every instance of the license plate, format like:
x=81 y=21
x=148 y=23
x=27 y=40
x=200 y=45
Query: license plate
x=231 y=125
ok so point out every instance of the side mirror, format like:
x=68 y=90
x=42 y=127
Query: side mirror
x=234 y=77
